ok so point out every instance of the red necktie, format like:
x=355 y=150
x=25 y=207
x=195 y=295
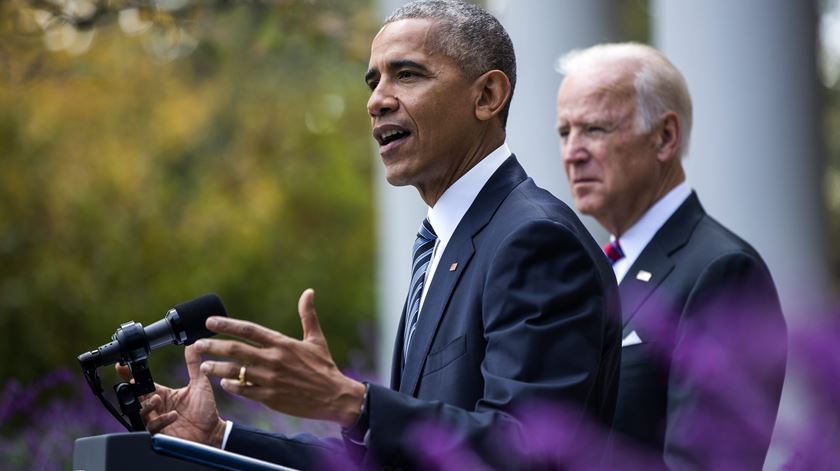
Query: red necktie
x=613 y=251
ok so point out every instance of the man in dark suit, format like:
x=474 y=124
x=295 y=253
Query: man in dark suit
x=704 y=343
x=511 y=302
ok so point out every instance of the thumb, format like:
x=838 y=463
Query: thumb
x=123 y=371
x=309 y=318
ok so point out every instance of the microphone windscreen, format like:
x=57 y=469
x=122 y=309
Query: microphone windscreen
x=194 y=314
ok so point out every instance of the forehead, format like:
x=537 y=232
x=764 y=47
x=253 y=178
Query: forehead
x=600 y=91
x=404 y=39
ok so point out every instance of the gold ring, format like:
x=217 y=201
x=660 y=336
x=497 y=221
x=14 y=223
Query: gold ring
x=242 y=380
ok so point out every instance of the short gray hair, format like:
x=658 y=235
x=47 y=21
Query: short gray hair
x=660 y=87
x=473 y=38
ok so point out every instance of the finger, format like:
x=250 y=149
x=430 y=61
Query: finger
x=150 y=406
x=193 y=358
x=233 y=349
x=245 y=330
x=252 y=392
x=221 y=369
x=309 y=317
x=255 y=375
x=123 y=371
x=162 y=421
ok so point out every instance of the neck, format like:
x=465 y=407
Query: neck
x=623 y=220
x=482 y=147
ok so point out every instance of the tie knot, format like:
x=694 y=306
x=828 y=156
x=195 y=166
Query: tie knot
x=426 y=232
x=613 y=251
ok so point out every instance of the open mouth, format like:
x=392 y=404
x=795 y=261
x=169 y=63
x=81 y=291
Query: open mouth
x=390 y=135
x=393 y=135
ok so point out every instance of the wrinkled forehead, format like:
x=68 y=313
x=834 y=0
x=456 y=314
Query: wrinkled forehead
x=602 y=90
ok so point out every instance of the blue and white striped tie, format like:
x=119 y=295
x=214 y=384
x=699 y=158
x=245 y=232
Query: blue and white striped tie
x=421 y=256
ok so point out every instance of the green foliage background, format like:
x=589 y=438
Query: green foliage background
x=131 y=181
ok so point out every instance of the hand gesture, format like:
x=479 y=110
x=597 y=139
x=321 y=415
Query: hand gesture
x=296 y=377
x=189 y=412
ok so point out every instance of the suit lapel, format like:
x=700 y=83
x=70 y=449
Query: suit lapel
x=433 y=307
x=397 y=355
x=656 y=258
x=634 y=291
x=460 y=250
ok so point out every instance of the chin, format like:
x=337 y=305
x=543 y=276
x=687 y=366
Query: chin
x=395 y=178
x=586 y=206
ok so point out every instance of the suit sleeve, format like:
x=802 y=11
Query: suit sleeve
x=727 y=368
x=542 y=308
x=302 y=451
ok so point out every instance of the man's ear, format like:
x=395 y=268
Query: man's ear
x=494 y=91
x=668 y=137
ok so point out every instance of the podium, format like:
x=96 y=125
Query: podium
x=125 y=452
x=136 y=451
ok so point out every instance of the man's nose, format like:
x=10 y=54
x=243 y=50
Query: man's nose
x=381 y=101
x=573 y=147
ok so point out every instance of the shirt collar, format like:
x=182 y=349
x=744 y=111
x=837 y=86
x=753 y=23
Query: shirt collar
x=637 y=237
x=457 y=199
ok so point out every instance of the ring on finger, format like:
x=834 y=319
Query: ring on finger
x=242 y=379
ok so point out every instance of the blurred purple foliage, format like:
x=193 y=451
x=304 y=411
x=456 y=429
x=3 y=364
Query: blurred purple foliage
x=736 y=357
x=813 y=441
x=40 y=421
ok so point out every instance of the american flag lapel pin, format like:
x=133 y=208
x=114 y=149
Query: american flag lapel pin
x=644 y=275
x=454 y=266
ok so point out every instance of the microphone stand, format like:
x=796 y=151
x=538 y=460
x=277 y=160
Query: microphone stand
x=135 y=355
x=128 y=394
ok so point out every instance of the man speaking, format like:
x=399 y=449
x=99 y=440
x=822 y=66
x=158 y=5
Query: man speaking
x=510 y=300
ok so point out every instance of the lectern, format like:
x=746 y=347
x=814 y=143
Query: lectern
x=136 y=451
x=125 y=452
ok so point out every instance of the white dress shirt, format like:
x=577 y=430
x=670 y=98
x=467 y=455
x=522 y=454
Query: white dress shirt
x=636 y=238
x=454 y=203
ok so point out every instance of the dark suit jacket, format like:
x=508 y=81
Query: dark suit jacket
x=530 y=313
x=702 y=389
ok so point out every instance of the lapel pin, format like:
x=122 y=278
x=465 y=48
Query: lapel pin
x=453 y=267
x=644 y=275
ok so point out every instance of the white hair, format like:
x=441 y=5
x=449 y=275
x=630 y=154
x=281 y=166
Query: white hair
x=659 y=86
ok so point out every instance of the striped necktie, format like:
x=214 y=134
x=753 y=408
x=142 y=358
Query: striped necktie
x=421 y=256
x=613 y=251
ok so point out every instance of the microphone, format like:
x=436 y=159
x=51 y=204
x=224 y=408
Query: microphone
x=182 y=325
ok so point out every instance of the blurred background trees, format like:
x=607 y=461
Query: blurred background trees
x=154 y=153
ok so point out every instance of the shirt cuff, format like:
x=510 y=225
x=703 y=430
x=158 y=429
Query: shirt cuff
x=359 y=432
x=228 y=428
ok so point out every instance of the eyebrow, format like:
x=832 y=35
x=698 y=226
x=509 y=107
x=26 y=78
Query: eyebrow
x=396 y=64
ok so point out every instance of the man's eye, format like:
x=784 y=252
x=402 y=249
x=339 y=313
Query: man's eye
x=405 y=74
x=564 y=133
x=595 y=129
x=373 y=84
